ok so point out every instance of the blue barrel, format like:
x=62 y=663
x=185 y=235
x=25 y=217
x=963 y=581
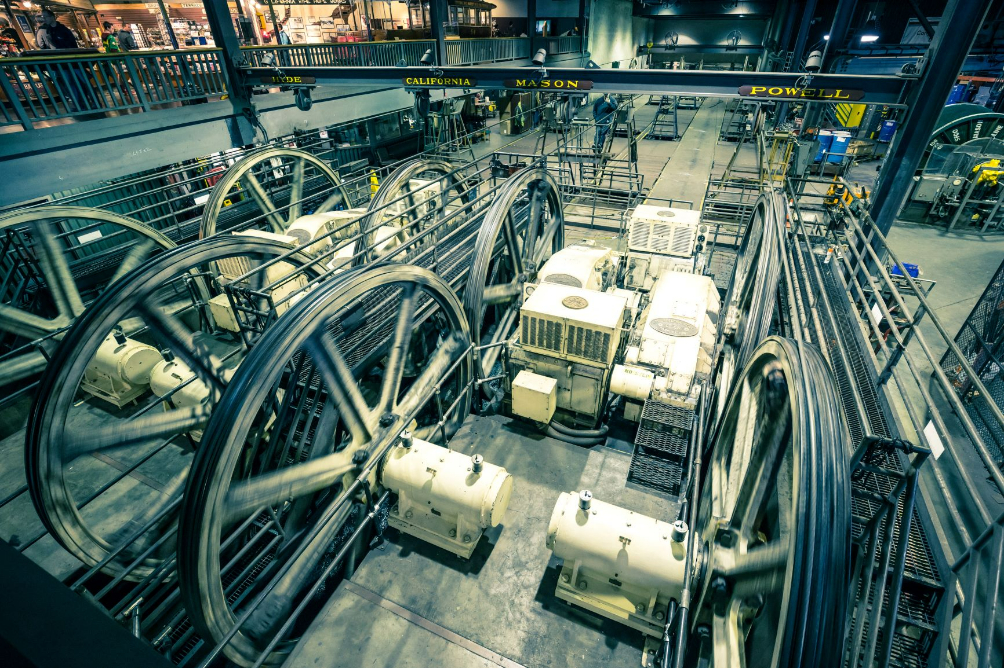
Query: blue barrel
x=839 y=145
x=958 y=94
x=825 y=139
x=886 y=131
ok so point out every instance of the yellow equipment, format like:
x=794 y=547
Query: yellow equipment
x=987 y=174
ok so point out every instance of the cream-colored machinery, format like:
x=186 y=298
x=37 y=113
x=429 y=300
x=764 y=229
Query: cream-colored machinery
x=444 y=497
x=672 y=345
x=120 y=370
x=660 y=240
x=617 y=563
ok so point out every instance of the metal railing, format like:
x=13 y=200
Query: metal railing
x=486 y=50
x=358 y=54
x=963 y=482
x=34 y=90
x=558 y=45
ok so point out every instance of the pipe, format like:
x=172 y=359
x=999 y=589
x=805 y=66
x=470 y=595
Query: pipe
x=571 y=440
x=580 y=433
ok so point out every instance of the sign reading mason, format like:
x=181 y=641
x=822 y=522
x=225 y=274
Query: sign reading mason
x=794 y=93
x=288 y=80
x=440 y=82
x=551 y=84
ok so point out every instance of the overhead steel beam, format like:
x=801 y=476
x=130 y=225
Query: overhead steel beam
x=774 y=85
x=742 y=49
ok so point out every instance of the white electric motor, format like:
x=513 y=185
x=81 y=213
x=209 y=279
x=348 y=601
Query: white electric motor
x=445 y=497
x=120 y=369
x=617 y=563
x=168 y=375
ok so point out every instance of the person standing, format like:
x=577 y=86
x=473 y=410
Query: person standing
x=127 y=42
x=283 y=35
x=109 y=38
x=69 y=81
x=603 y=113
x=53 y=34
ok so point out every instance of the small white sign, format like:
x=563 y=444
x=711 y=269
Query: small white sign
x=93 y=235
x=201 y=199
x=876 y=314
x=323 y=134
x=933 y=439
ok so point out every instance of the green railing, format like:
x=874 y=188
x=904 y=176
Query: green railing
x=486 y=50
x=359 y=54
x=33 y=90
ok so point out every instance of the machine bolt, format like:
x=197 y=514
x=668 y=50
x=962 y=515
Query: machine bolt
x=566 y=578
x=453 y=533
x=679 y=532
x=585 y=499
x=479 y=463
x=660 y=615
x=387 y=419
x=719 y=594
x=407 y=439
x=639 y=607
x=408 y=514
x=467 y=538
x=582 y=584
x=359 y=457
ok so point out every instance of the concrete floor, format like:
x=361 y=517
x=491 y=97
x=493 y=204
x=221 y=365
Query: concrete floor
x=500 y=605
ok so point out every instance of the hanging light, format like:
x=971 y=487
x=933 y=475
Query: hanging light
x=27 y=4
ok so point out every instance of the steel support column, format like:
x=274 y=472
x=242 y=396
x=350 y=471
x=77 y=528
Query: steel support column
x=167 y=24
x=583 y=24
x=439 y=15
x=957 y=29
x=531 y=25
x=838 y=36
x=796 y=52
x=222 y=26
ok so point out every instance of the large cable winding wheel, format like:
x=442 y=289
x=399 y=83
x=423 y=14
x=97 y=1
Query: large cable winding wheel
x=752 y=294
x=774 y=516
x=129 y=389
x=272 y=187
x=522 y=229
x=405 y=205
x=59 y=258
x=290 y=455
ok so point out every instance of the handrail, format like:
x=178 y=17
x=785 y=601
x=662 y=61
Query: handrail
x=15 y=60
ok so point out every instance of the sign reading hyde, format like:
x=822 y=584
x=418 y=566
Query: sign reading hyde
x=791 y=92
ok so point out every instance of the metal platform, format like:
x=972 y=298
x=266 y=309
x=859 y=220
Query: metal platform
x=501 y=609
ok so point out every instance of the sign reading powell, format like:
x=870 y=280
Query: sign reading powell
x=793 y=93
x=440 y=82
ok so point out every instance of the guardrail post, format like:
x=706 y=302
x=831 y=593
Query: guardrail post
x=439 y=14
x=8 y=90
x=137 y=84
x=225 y=36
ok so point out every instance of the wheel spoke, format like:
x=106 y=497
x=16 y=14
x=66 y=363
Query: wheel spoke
x=185 y=345
x=28 y=325
x=398 y=350
x=512 y=245
x=332 y=200
x=490 y=355
x=286 y=484
x=283 y=593
x=137 y=254
x=435 y=370
x=137 y=430
x=727 y=639
x=760 y=570
x=296 y=191
x=338 y=379
x=544 y=243
x=56 y=270
x=501 y=294
x=264 y=202
x=534 y=220
x=758 y=485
